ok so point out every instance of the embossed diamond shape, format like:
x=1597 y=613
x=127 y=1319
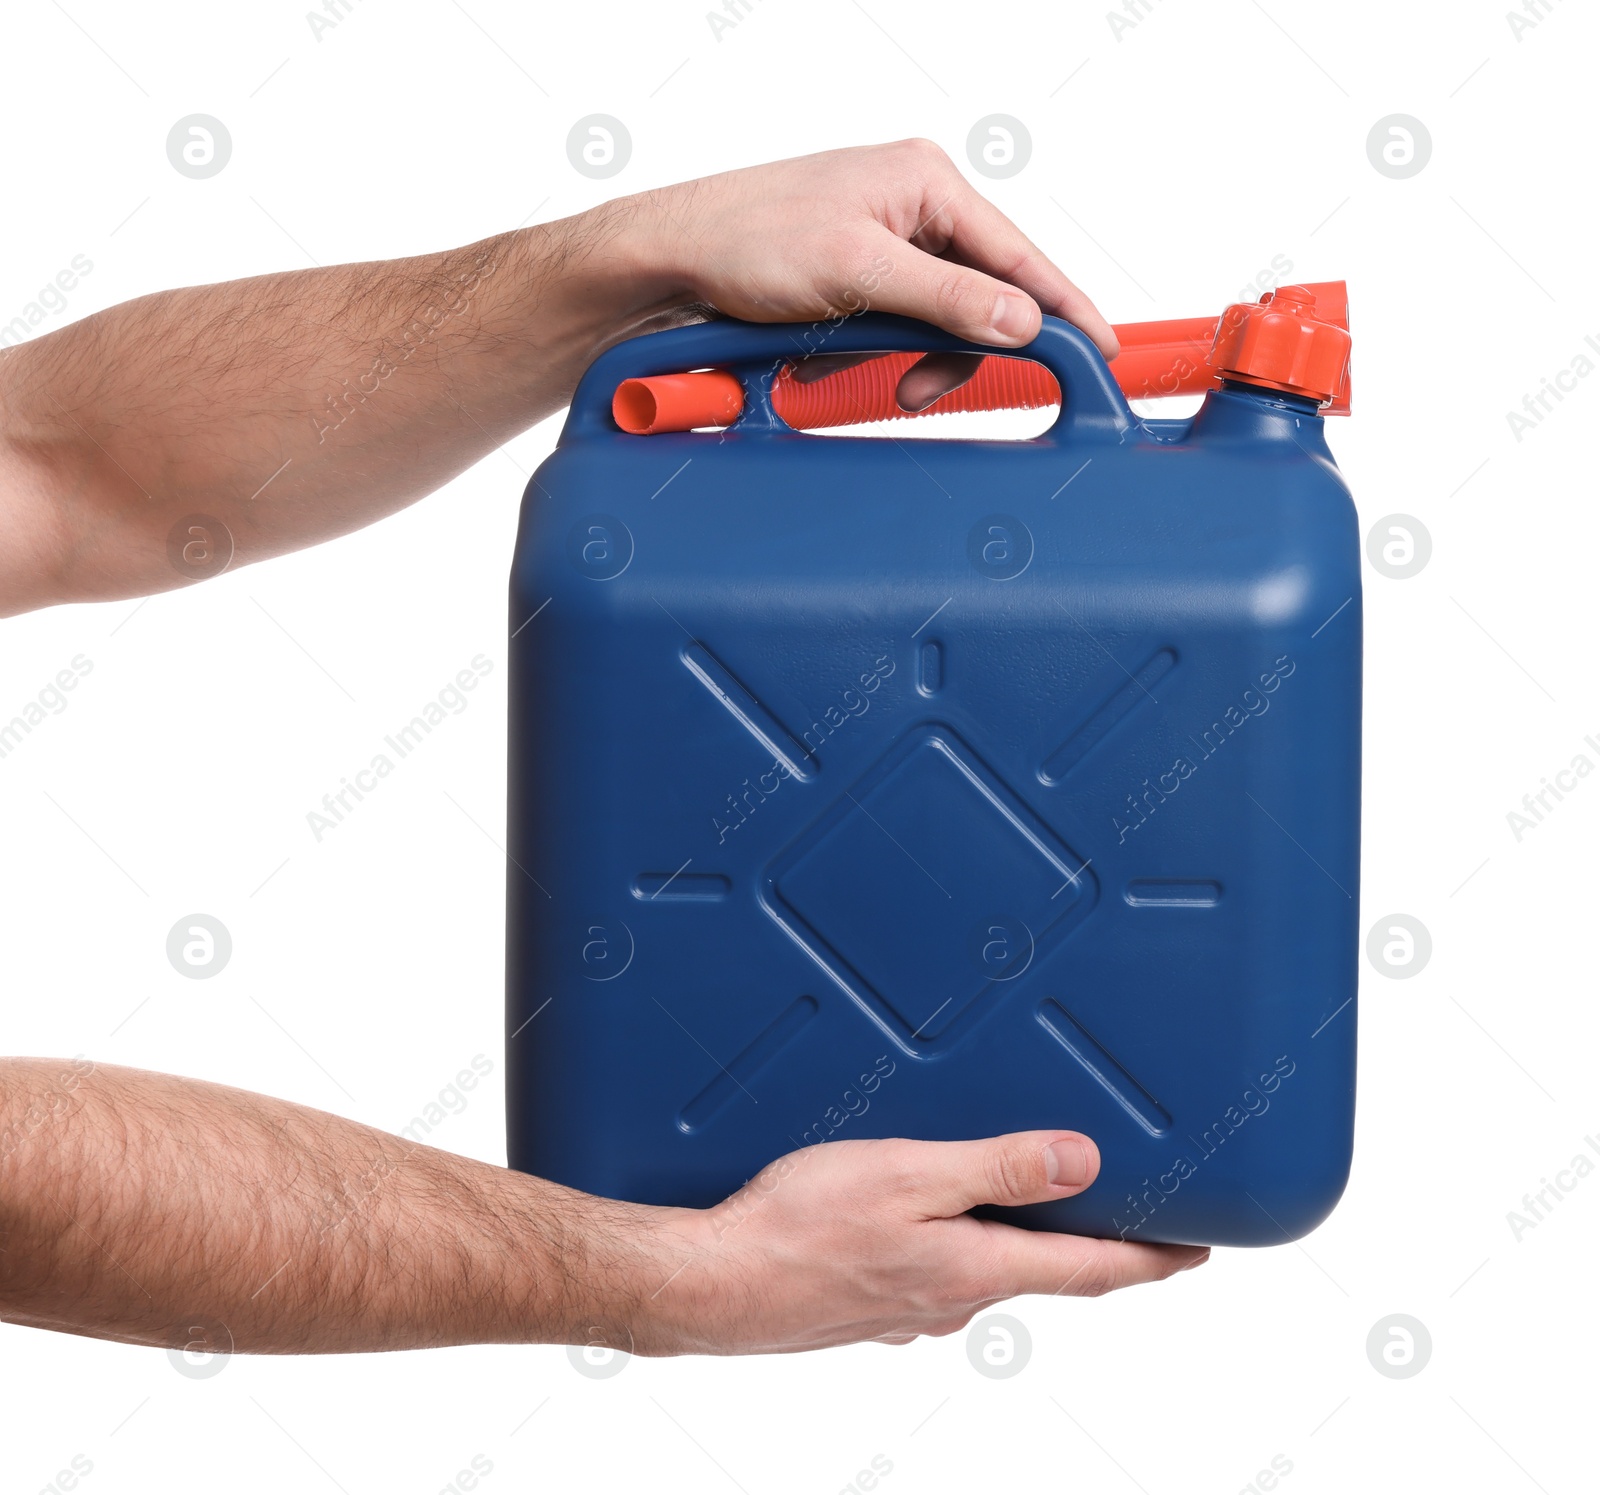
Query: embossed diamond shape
x=893 y=890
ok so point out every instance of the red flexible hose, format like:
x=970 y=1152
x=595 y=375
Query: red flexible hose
x=1156 y=359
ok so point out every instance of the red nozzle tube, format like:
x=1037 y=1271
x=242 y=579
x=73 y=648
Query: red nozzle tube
x=1295 y=340
x=677 y=402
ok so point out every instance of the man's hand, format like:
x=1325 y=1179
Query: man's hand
x=895 y=228
x=293 y=408
x=800 y=240
x=165 y=1211
x=872 y=1240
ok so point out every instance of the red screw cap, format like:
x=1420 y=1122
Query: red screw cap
x=1287 y=341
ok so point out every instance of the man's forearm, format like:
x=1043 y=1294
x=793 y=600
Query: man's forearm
x=167 y=1211
x=296 y=407
x=173 y=1212
x=291 y=408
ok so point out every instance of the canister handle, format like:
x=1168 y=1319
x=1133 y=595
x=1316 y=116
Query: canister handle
x=1093 y=408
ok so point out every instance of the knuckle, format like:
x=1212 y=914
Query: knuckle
x=1013 y=1174
x=901 y=1166
x=976 y=1281
x=1100 y=1275
x=919 y=148
x=1028 y=264
x=842 y=259
x=1097 y=1284
x=964 y=1276
x=849 y=241
x=954 y=299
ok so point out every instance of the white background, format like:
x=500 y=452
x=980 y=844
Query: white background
x=1169 y=166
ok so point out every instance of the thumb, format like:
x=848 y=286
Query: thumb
x=1019 y=1168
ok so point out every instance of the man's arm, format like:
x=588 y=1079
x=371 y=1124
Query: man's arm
x=296 y=407
x=172 y=1212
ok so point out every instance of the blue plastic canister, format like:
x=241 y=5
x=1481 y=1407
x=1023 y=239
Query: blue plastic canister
x=939 y=789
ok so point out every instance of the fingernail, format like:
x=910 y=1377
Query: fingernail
x=1199 y=1261
x=1012 y=320
x=1066 y=1163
